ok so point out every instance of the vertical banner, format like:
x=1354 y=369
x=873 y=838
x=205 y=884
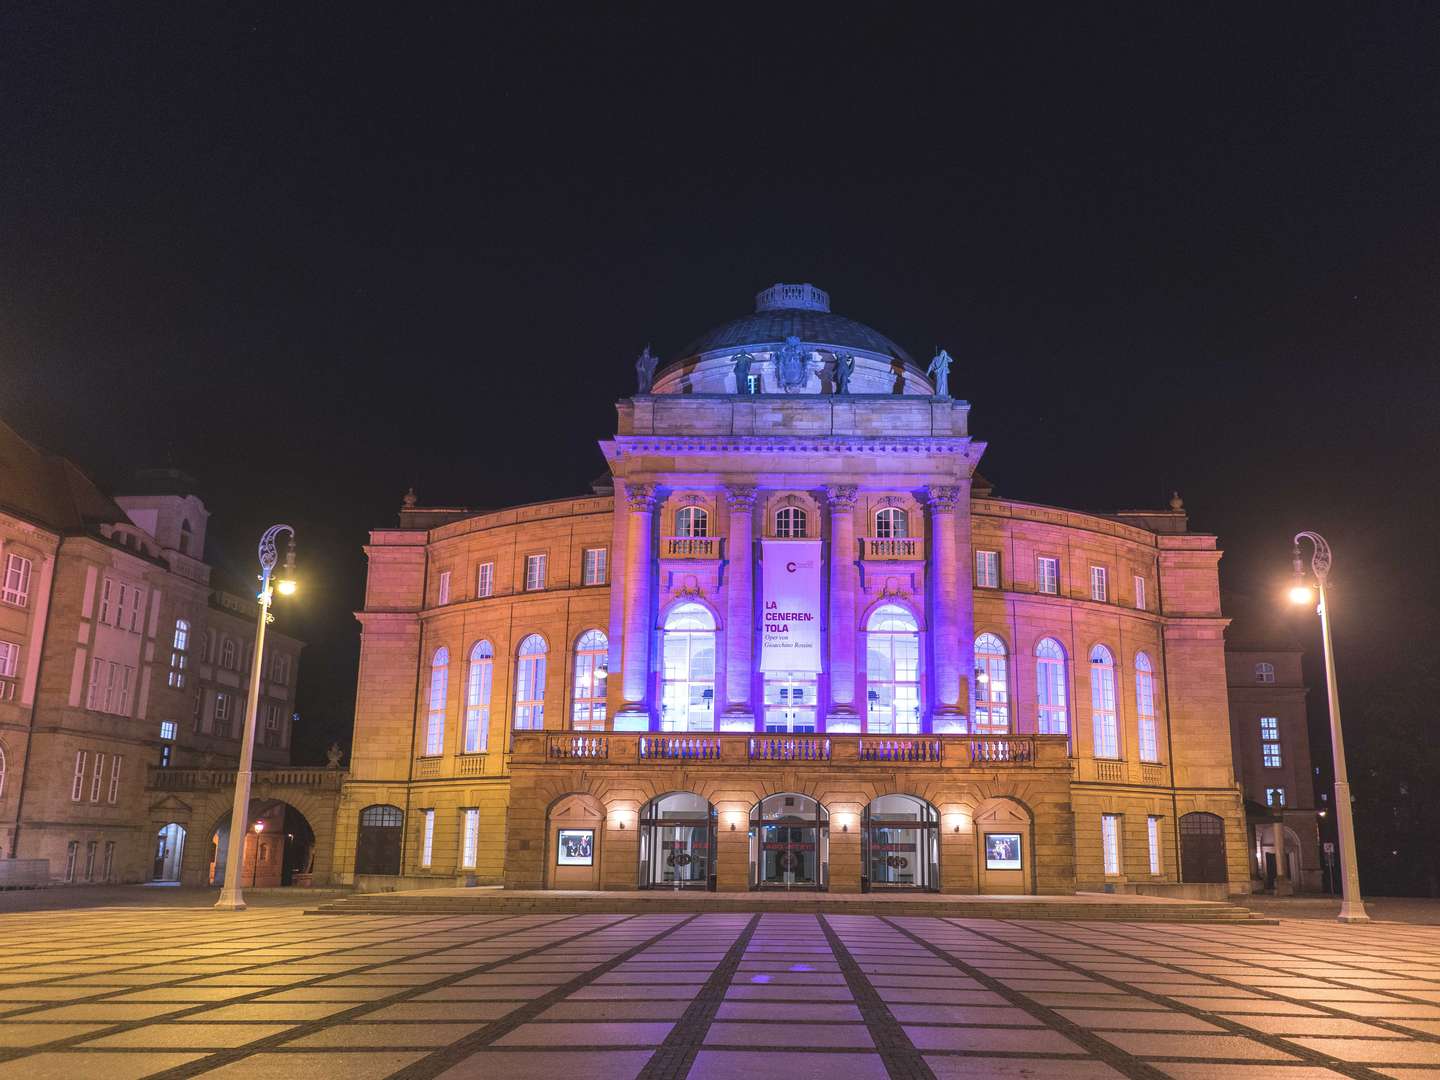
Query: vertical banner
x=790 y=605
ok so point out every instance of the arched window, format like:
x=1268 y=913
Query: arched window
x=1145 y=708
x=892 y=672
x=687 y=692
x=2 y=771
x=530 y=685
x=1102 y=703
x=227 y=654
x=477 y=697
x=692 y=521
x=592 y=666
x=892 y=523
x=1265 y=673
x=182 y=634
x=1050 y=687
x=435 y=717
x=792 y=523
x=992 y=687
x=179 y=654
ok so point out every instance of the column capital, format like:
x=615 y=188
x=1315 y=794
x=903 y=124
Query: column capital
x=943 y=499
x=641 y=497
x=740 y=496
x=841 y=496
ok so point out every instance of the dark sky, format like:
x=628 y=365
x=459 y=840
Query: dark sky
x=315 y=253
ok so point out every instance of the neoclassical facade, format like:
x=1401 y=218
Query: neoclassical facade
x=793 y=641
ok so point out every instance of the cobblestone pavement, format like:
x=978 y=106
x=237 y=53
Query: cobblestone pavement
x=123 y=993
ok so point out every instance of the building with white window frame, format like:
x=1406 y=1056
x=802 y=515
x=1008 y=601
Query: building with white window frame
x=793 y=693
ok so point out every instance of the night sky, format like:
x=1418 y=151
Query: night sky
x=314 y=256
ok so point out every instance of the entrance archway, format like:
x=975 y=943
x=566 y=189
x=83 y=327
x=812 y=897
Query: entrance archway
x=377 y=848
x=272 y=855
x=677 y=842
x=1202 y=848
x=169 y=852
x=900 y=844
x=789 y=843
x=1265 y=854
x=1003 y=836
x=575 y=837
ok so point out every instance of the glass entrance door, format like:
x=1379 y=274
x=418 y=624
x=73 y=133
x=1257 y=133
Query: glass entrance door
x=900 y=843
x=677 y=842
x=790 y=702
x=789 y=843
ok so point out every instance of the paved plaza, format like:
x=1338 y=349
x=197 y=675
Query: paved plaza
x=271 y=993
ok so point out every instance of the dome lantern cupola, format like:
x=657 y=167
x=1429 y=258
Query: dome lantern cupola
x=792 y=298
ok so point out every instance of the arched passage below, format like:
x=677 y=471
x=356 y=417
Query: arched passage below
x=280 y=851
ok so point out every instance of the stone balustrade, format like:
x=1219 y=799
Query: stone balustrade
x=218 y=779
x=690 y=547
x=888 y=549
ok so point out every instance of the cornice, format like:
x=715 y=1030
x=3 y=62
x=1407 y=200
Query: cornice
x=631 y=445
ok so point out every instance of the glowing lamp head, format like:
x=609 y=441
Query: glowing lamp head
x=982 y=676
x=286 y=586
x=1301 y=594
x=259 y=827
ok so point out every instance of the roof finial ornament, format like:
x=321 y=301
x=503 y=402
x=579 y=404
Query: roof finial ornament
x=1176 y=503
x=645 y=365
x=410 y=499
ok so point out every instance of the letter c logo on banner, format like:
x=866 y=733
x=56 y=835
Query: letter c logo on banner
x=790 y=566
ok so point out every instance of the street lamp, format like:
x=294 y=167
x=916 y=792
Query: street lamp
x=255 y=871
x=231 y=897
x=1352 y=907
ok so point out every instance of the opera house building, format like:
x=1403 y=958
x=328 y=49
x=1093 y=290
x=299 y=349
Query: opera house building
x=793 y=641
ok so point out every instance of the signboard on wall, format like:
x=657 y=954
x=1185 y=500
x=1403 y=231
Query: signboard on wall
x=1002 y=851
x=790 y=605
x=576 y=847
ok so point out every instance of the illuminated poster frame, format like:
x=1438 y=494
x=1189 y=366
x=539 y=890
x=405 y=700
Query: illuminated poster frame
x=575 y=847
x=1003 y=851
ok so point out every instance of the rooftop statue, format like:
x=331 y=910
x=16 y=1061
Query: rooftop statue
x=645 y=366
x=844 y=368
x=742 y=372
x=939 y=369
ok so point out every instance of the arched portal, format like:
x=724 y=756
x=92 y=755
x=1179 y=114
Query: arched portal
x=677 y=842
x=377 y=849
x=576 y=832
x=279 y=844
x=1004 y=837
x=1202 y=848
x=1265 y=854
x=900 y=844
x=169 y=852
x=789 y=843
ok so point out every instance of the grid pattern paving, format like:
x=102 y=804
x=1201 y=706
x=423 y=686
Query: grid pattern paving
x=172 y=993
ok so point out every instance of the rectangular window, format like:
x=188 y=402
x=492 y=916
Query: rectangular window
x=535 y=572
x=427 y=839
x=1270 y=742
x=165 y=756
x=1275 y=796
x=1047 y=575
x=9 y=659
x=197 y=709
x=106 y=588
x=987 y=569
x=122 y=691
x=1139 y=593
x=114 y=792
x=77 y=785
x=97 y=777
x=167 y=729
x=222 y=714
x=272 y=726
x=444 y=596
x=1110 y=842
x=485 y=579
x=594 y=567
x=17 y=581
x=90 y=850
x=1099 y=584
x=1152 y=834
x=470 y=847
x=282 y=669
x=72 y=854
x=109 y=869
x=134 y=614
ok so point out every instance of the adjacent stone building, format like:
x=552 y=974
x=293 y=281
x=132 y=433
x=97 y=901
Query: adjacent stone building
x=118 y=658
x=793 y=640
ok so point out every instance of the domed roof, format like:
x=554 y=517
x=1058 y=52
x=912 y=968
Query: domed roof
x=801 y=311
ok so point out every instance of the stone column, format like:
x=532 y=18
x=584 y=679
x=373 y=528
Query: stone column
x=948 y=710
x=842 y=605
x=739 y=610
x=634 y=714
x=1283 y=885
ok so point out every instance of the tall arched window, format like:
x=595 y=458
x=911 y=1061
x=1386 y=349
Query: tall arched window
x=1102 y=703
x=530 y=685
x=439 y=686
x=592 y=666
x=792 y=523
x=477 y=697
x=687 y=692
x=892 y=672
x=1145 y=708
x=992 y=687
x=692 y=521
x=1050 y=687
x=892 y=523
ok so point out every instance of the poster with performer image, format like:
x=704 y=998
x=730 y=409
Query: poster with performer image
x=790 y=605
x=575 y=848
x=1002 y=851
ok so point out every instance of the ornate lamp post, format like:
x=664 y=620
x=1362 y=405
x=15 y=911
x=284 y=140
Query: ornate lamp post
x=231 y=898
x=255 y=870
x=1352 y=907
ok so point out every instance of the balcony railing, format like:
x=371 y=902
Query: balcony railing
x=889 y=549
x=741 y=749
x=690 y=547
x=214 y=779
